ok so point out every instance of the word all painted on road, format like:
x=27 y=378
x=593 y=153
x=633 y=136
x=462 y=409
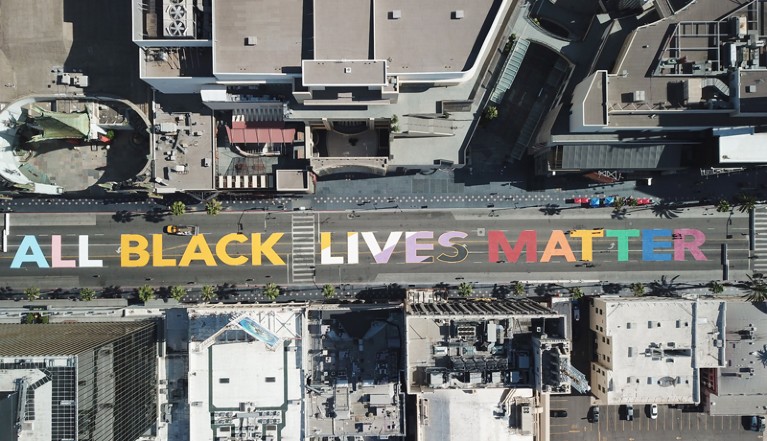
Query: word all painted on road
x=418 y=246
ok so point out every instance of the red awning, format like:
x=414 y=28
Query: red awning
x=259 y=135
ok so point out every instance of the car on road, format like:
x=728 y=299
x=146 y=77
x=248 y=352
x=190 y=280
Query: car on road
x=182 y=230
x=558 y=413
x=653 y=411
x=594 y=411
x=757 y=423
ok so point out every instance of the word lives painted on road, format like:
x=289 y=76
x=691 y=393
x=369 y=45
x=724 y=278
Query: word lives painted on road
x=352 y=248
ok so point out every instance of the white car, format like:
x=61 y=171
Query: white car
x=654 y=411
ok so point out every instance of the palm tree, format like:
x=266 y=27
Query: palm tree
x=664 y=286
x=576 y=292
x=746 y=202
x=145 y=293
x=272 y=291
x=723 y=206
x=637 y=289
x=178 y=208
x=519 y=289
x=177 y=293
x=465 y=289
x=757 y=290
x=491 y=113
x=32 y=293
x=87 y=294
x=715 y=287
x=328 y=291
x=213 y=207
x=208 y=293
x=619 y=203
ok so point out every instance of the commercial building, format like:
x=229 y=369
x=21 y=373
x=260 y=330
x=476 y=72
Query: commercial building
x=296 y=90
x=651 y=350
x=686 y=91
x=95 y=381
x=492 y=360
x=739 y=387
x=294 y=372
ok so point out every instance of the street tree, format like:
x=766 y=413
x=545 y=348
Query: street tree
x=208 y=293
x=723 y=206
x=177 y=293
x=328 y=291
x=178 y=208
x=576 y=293
x=491 y=113
x=638 y=289
x=519 y=289
x=271 y=291
x=87 y=294
x=715 y=287
x=213 y=207
x=145 y=293
x=756 y=289
x=465 y=289
x=746 y=203
x=32 y=293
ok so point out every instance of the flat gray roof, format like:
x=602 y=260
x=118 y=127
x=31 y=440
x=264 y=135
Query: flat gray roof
x=621 y=156
x=753 y=91
x=427 y=37
x=276 y=25
x=342 y=30
x=344 y=73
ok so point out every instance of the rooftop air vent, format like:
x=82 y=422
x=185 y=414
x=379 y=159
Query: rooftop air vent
x=457 y=15
x=395 y=14
x=177 y=12
x=176 y=29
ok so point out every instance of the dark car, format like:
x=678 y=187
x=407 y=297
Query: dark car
x=594 y=411
x=629 y=413
x=558 y=413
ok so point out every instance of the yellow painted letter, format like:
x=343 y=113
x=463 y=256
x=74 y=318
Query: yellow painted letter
x=197 y=249
x=224 y=256
x=558 y=246
x=586 y=237
x=133 y=244
x=157 y=259
x=266 y=249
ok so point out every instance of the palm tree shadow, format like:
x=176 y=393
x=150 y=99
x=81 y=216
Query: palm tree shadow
x=666 y=210
x=761 y=355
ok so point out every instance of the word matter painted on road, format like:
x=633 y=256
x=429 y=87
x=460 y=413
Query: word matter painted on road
x=136 y=250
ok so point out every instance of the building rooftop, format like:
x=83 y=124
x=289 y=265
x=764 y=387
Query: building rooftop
x=650 y=349
x=742 y=382
x=344 y=73
x=681 y=63
x=258 y=36
x=247 y=377
x=456 y=415
x=60 y=339
x=431 y=35
x=342 y=30
x=354 y=364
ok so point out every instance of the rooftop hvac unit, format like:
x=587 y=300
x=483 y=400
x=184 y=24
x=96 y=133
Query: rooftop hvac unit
x=175 y=28
x=178 y=21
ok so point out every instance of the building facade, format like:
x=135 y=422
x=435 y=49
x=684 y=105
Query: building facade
x=79 y=381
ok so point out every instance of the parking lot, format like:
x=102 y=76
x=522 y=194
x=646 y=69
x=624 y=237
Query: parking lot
x=671 y=424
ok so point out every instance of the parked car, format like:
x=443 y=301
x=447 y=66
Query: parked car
x=653 y=411
x=576 y=311
x=558 y=413
x=757 y=423
x=629 y=412
x=594 y=411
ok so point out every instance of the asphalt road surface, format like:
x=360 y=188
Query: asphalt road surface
x=300 y=248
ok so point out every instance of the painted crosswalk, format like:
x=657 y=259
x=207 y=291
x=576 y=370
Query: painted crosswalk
x=303 y=245
x=760 y=240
